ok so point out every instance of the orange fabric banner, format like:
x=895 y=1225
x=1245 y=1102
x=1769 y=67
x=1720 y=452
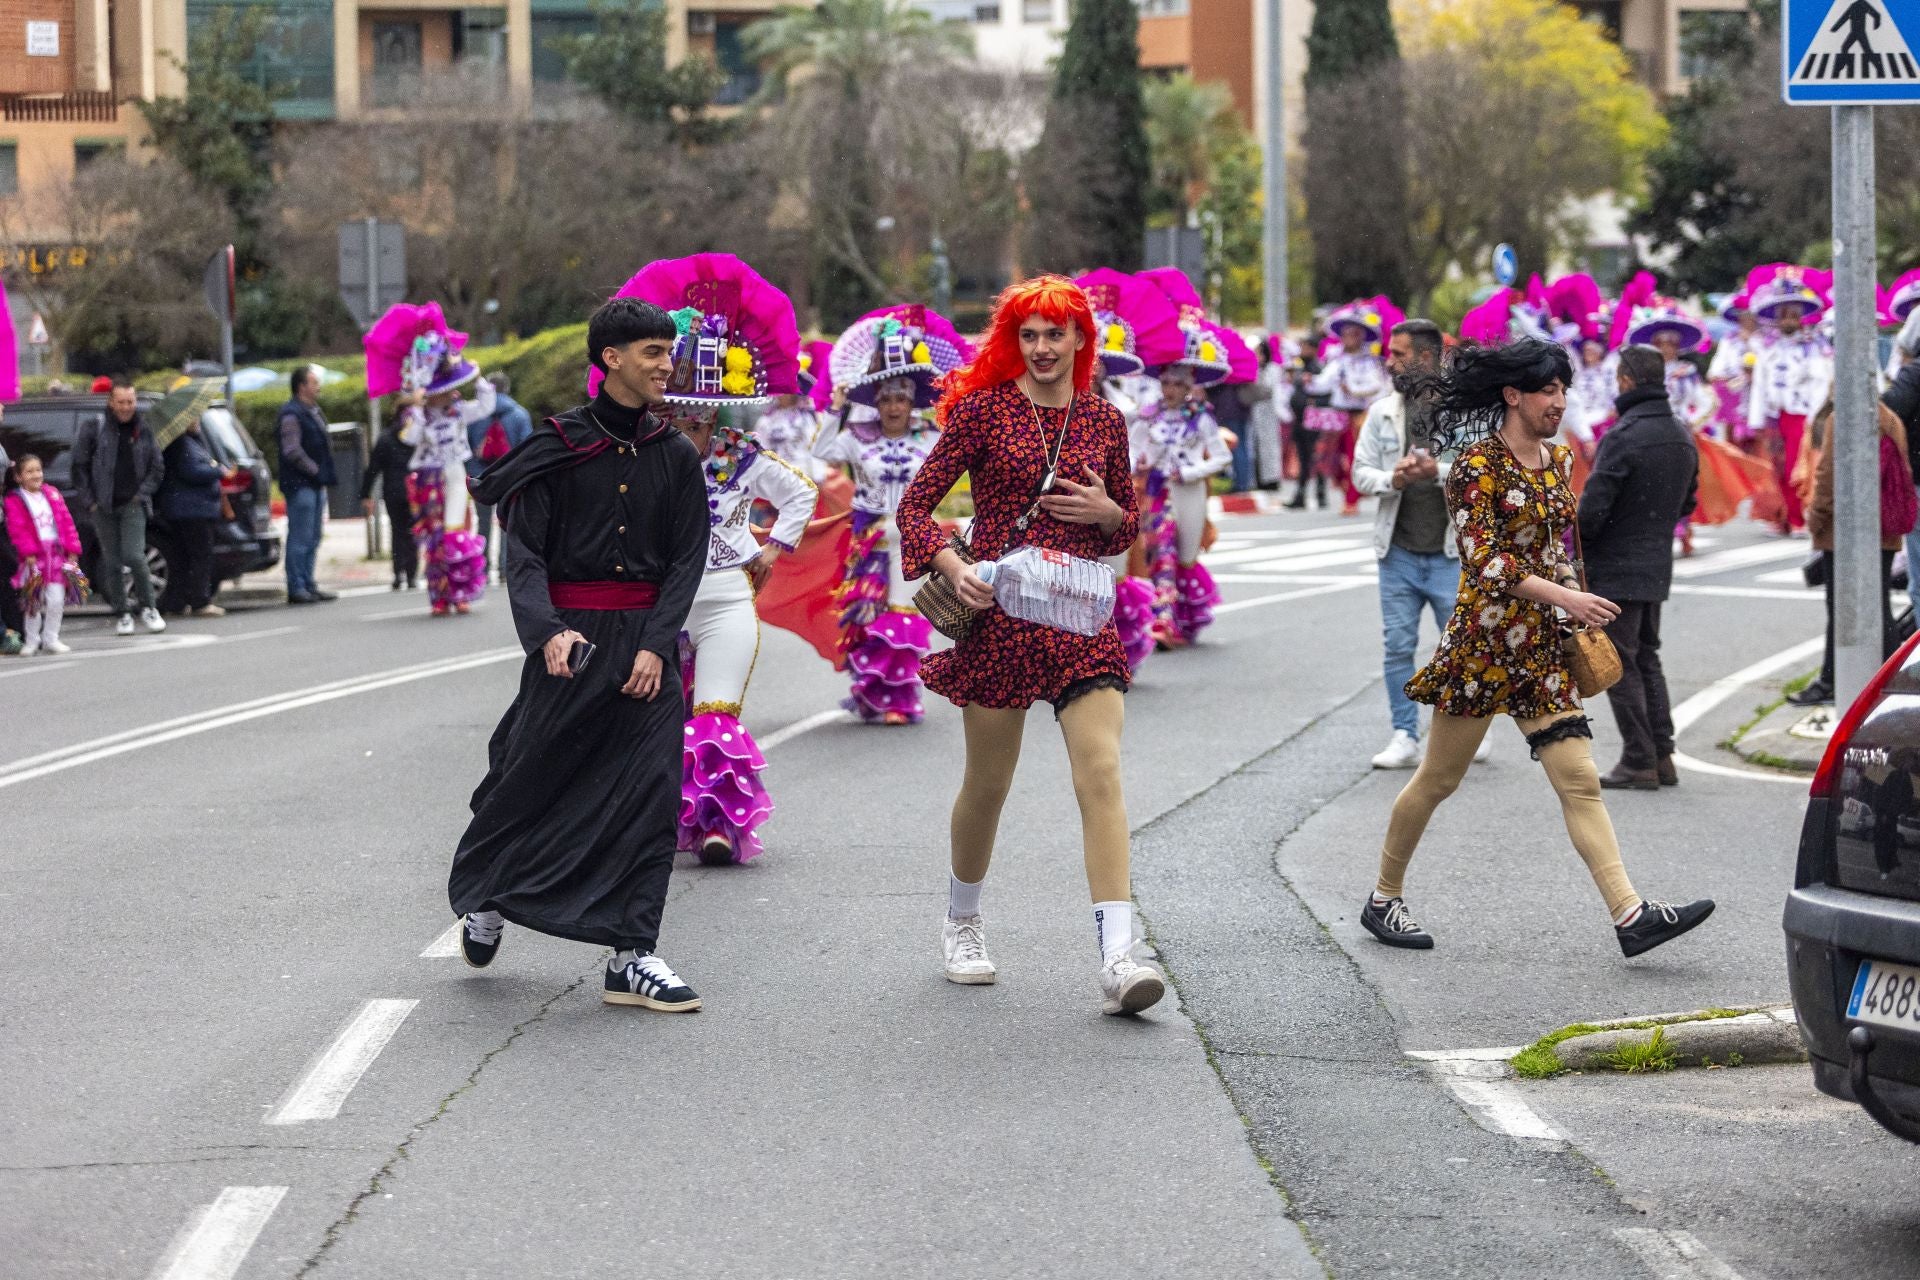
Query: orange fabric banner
x=1729 y=477
x=798 y=597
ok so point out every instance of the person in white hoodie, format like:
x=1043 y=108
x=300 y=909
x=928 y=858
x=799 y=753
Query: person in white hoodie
x=1413 y=540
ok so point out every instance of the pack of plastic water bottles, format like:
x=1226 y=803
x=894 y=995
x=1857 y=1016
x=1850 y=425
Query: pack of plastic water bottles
x=1051 y=588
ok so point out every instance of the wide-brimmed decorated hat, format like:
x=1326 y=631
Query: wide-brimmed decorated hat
x=1137 y=324
x=1903 y=297
x=410 y=348
x=1737 y=305
x=1780 y=285
x=1664 y=315
x=1202 y=349
x=813 y=365
x=911 y=343
x=738 y=342
x=1355 y=315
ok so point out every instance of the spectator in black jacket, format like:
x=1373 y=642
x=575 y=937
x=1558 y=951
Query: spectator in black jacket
x=388 y=465
x=190 y=500
x=116 y=469
x=1643 y=482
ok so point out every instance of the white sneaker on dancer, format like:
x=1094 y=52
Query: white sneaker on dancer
x=964 y=943
x=55 y=647
x=1403 y=752
x=1127 y=987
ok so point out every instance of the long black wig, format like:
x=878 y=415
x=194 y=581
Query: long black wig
x=1467 y=399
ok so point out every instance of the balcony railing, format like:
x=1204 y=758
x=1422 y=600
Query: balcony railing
x=82 y=107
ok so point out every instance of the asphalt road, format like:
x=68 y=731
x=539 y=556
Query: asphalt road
x=227 y=856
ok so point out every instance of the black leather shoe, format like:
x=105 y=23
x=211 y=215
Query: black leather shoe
x=1660 y=922
x=1393 y=925
x=1668 y=775
x=1817 y=694
x=1622 y=778
x=302 y=597
x=479 y=941
x=324 y=595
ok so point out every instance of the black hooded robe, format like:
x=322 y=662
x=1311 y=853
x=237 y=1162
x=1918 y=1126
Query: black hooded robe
x=574 y=825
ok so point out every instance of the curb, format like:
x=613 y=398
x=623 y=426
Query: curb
x=1788 y=738
x=1769 y=1035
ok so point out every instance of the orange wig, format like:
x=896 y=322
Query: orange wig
x=1054 y=297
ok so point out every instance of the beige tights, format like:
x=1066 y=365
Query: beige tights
x=1091 y=725
x=1569 y=764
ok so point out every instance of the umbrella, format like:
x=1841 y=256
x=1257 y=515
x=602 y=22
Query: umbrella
x=181 y=406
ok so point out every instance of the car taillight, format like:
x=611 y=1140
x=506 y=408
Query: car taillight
x=1863 y=706
x=237 y=484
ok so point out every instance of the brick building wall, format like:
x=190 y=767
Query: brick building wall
x=22 y=74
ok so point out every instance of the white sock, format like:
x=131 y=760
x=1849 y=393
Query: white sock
x=1379 y=901
x=1628 y=915
x=963 y=899
x=621 y=959
x=1113 y=924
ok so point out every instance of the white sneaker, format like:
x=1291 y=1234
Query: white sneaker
x=28 y=650
x=964 y=943
x=152 y=621
x=1128 y=987
x=123 y=625
x=56 y=647
x=1403 y=752
x=1483 y=752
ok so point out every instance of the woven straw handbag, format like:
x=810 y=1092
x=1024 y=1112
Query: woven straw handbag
x=1590 y=654
x=939 y=604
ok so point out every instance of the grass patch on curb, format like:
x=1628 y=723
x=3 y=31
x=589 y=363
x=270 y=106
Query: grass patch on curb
x=1642 y=1056
x=1538 y=1061
x=1761 y=712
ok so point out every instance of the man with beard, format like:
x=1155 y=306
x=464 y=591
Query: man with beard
x=605 y=518
x=1412 y=536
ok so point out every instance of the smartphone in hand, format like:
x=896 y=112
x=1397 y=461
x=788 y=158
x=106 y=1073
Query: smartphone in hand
x=579 y=656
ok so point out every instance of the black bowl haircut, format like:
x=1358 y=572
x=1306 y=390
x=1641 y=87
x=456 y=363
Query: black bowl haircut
x=620 y=321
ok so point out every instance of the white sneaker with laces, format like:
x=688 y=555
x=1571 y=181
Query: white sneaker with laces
x=1483 y=752
x=1403 y=752
x=56 y=647
x=28 y=650
x=123 y=625
x=152 y=621
x=964 y=943
x=1127 y=987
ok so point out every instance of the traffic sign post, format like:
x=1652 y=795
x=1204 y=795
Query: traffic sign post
x=1850 y=55
x=1506 y=265
x=217 y=281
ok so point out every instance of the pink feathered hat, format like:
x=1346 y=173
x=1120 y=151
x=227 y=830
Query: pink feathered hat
x=738 y=343
x=909 y=341
x=1138 y=324
x=1782 y=284
x=411 y=348
x=1903 y=297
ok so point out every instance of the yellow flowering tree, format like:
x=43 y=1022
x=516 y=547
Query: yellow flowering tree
x=1515 y=111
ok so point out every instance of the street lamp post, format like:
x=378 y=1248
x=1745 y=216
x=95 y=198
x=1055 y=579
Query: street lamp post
x=1274 y=169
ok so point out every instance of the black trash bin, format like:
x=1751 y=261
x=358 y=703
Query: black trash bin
x=348 y=443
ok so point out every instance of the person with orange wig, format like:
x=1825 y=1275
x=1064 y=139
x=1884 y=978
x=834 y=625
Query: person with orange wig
x=1051 y=468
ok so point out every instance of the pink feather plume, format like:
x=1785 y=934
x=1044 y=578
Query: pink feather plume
x=757 y=312
x=390 y=341
x=1142 y=304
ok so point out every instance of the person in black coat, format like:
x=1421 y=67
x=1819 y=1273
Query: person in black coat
x=1644 y=478
x=190 y=499
x=389 y=465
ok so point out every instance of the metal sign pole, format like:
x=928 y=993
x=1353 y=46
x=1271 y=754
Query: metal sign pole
x=1274 y=158
x=1855 y=431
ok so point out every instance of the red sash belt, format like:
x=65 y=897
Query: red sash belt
x=603 y=595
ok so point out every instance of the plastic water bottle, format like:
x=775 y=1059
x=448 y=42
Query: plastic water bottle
x=1051 y=588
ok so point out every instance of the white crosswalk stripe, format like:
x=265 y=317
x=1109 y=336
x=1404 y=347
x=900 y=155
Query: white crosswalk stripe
x=1754 y=553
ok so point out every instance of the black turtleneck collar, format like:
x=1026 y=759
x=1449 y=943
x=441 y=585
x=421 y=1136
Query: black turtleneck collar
x=617 y=418
x=1639 y=395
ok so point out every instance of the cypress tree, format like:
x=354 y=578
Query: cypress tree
x=1086 y=181
x=1356 y=181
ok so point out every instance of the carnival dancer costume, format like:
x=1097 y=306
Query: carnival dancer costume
x=789 y=428
x=1666 y=326
x=897 y=355
x=1353 y=377
x=1730 y=372
x=435 y=424
x=1137 y=325
x=737 y=347
x=1181 y=448
x=1793 y=377
x=606 y=540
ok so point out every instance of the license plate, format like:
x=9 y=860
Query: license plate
x=1886 y=995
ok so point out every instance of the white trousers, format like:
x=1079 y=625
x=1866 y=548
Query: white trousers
x=44 y=627
x=899 y=590
x=725 y=634
x=1188 y=503
x=454 y=481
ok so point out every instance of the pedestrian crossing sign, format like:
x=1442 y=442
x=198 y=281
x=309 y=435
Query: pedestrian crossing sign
x=1850 y=52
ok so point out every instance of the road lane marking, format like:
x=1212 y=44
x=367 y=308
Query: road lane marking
x=1497 y=1107
x=1749 y=593
x=32 y=768
x=1258 y=601
x=1674 y=1255
x=326 y=1084
x=1689 y=712
x=1740 y=558
x=1217 y=558
x=214 y=1244
x=446 y=946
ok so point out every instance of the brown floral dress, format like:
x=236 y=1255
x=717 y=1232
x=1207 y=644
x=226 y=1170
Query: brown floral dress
x=1501 y=655
x=993 y=437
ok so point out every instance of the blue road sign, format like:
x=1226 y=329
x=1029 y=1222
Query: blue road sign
x=1506 y=265
x=1837 y=53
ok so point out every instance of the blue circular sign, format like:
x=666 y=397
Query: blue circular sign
x=1506 y=264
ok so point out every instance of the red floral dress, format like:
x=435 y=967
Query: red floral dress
x=1500 y=654
x=992 y=436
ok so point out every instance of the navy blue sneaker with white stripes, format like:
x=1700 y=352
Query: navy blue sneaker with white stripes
x=480 y=937
x=648 y=982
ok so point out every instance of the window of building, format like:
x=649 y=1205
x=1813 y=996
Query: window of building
x=743 y=74
x=1036 y=12
x=549 y=64
x=397 y=61
x=1162 y=8
x=293 y=60
x=481 y=37
x=9 y=168
x=986 y=14
x=87 y=150
x=1713 y=39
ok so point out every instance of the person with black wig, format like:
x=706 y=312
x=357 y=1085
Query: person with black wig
x=1498 y=409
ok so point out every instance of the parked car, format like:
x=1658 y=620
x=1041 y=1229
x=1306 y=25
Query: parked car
x=1853 y=918
x=245 y=544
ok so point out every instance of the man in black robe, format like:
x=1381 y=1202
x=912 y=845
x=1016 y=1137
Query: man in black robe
x=605 y=517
